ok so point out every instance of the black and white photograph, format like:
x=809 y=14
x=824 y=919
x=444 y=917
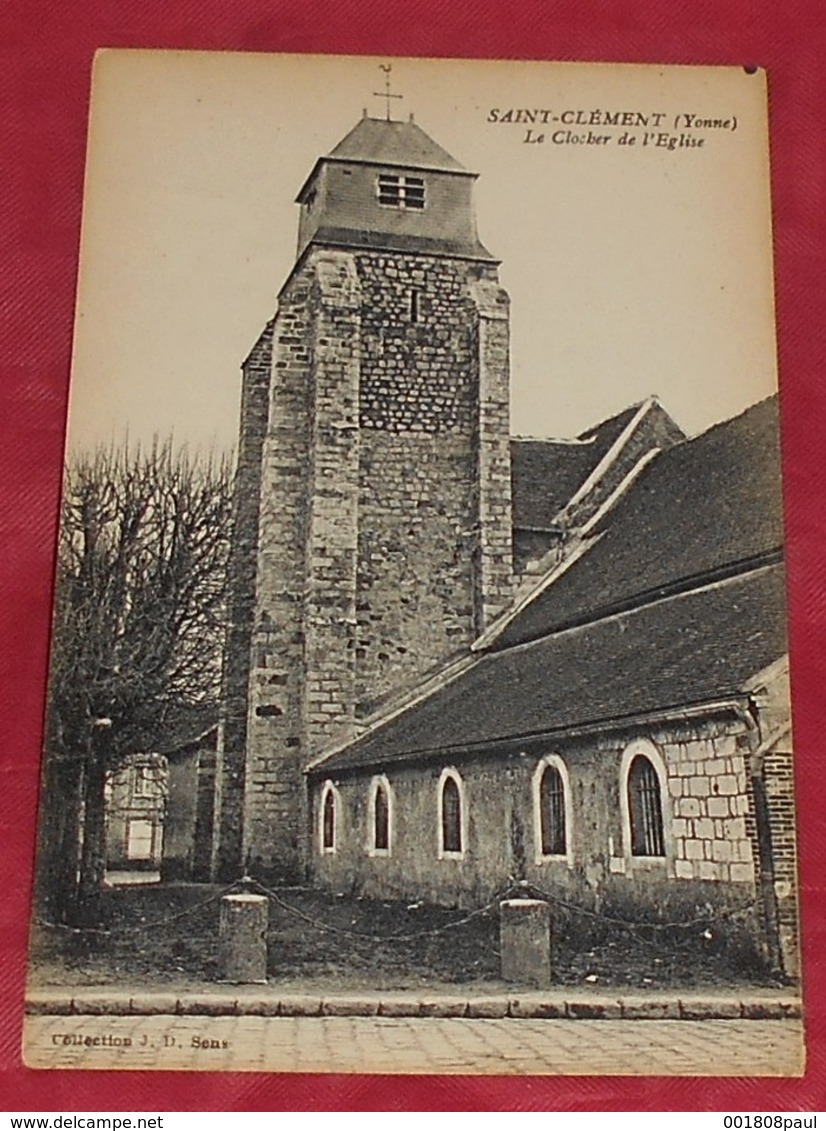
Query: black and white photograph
x=418 y=694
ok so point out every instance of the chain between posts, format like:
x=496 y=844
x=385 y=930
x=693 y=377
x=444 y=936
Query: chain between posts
x=280 y=902
x=139 y=928
x=521 y=888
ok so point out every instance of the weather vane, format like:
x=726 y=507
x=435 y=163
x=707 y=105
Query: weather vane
x=386 y=94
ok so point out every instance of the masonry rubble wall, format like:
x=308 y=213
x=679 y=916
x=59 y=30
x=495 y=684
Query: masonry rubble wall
x=222 y=853
x=263 y=828
x=434 y=543
x=383 y=519
x=708 y=870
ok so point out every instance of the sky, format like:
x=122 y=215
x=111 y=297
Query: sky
x=633 y=269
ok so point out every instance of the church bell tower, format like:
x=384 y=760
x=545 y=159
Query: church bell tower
x=372 y=525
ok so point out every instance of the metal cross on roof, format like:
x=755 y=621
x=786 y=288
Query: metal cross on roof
x=387 y=68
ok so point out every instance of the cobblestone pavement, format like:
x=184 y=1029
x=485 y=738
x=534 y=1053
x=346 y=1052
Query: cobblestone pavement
x=417 y=1045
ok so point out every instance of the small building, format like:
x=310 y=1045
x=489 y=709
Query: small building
x=159 y=806
x=135 y=811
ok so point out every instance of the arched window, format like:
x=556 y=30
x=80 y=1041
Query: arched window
x=552 y=812
x=451 y=815
x=645 y=810
x=380 y=817
x=328 y=815
x=552 y=809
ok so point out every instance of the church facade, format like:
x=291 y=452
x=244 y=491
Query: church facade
x=457 y=660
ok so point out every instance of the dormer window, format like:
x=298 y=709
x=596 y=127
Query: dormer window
x=400 y=192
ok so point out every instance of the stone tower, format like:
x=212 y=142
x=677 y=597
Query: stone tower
x=372 y=538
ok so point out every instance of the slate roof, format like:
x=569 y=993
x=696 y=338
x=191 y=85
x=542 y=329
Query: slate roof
x=704 y=508
x=379 y=142
x=696 y=648
x=545 y=474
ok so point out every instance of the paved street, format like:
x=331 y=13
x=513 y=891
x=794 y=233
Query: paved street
x=422 y=1045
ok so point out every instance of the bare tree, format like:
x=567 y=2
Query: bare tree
x=139 y=604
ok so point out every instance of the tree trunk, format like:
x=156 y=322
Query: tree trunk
x=58 y=840
x=93 y=852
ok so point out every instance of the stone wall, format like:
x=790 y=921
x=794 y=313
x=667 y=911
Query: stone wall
x=418 y=371
x=707 y=869
x=494 y=564
x=710 y=801
x=382 y=506
x=434 y=515
x=415 y=569
x=269 y=824
x=229 y=772
x=332 y=473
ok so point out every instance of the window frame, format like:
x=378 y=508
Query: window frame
x=557 y=763
x=646 y=749
x=452 y=774
x=402 y=183
x=151 y=839
x=147 y=783
x=329 y=789
x=379 y=782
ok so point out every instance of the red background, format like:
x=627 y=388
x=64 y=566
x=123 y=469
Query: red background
x=47 y=52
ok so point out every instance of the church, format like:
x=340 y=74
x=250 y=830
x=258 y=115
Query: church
x=457 y=660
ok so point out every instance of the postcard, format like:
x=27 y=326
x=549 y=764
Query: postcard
x=418 y=692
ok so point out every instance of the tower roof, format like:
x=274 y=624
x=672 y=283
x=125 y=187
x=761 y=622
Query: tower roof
x=376 y=141
x=389 y=185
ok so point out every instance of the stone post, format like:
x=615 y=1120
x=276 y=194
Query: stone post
x=525 y=942
x=242 y=938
